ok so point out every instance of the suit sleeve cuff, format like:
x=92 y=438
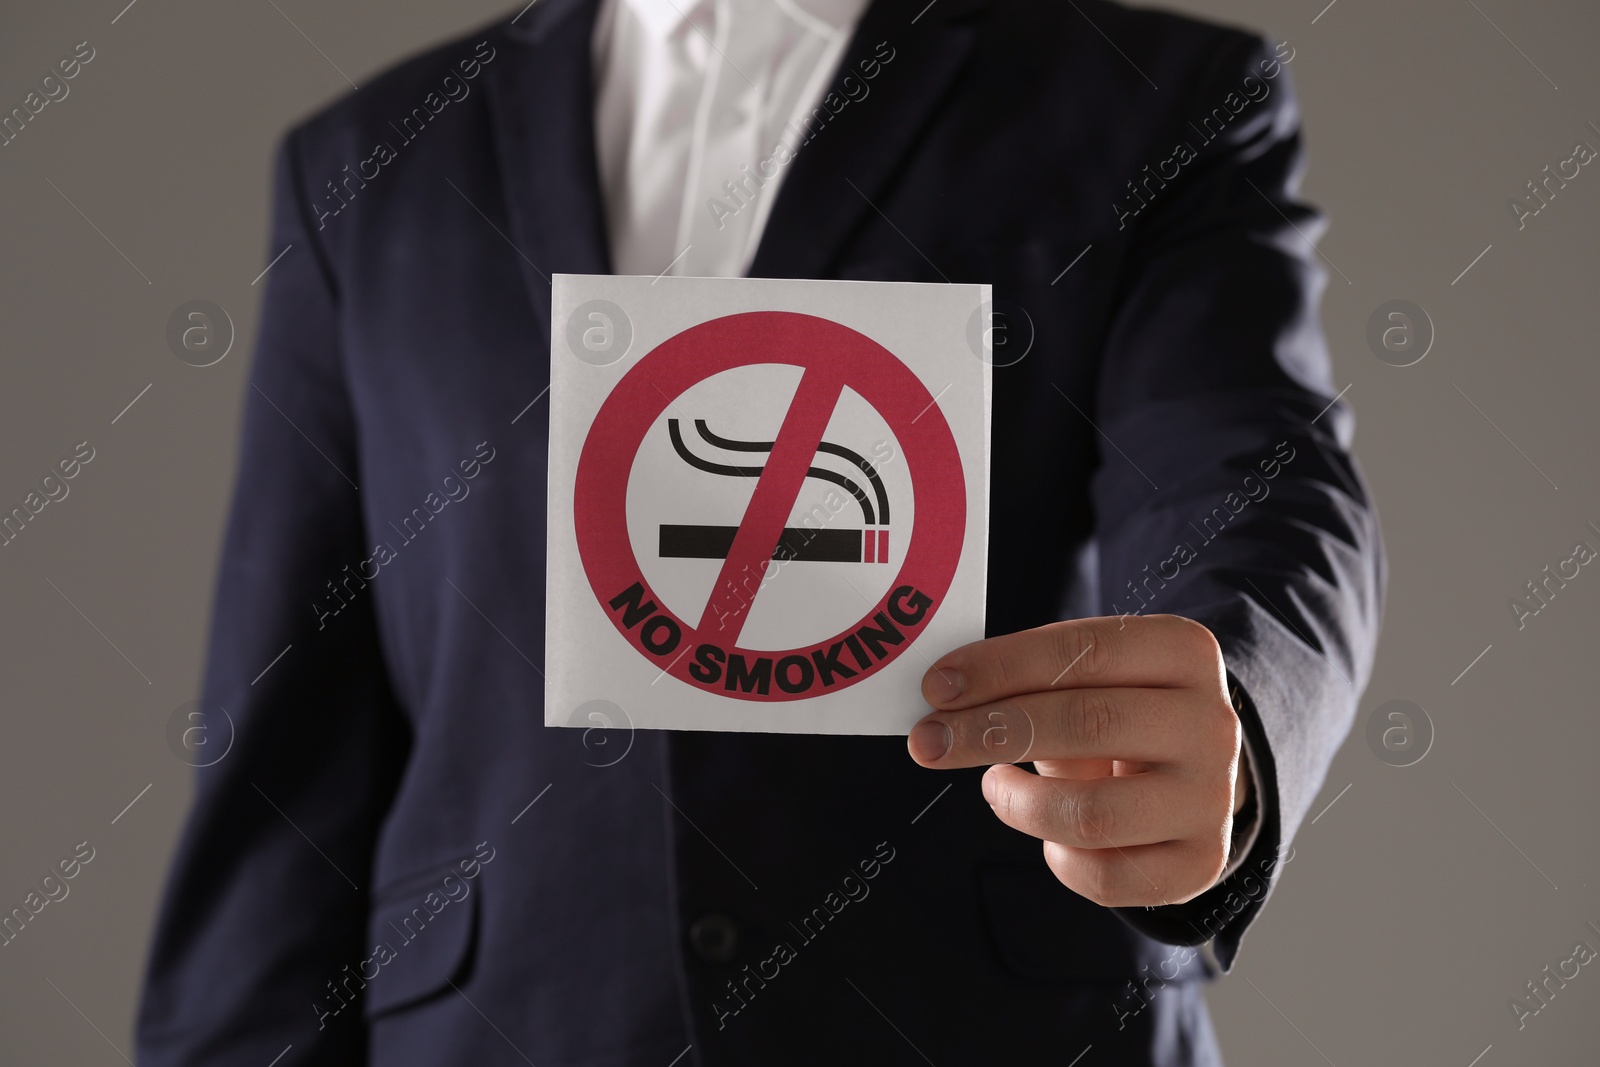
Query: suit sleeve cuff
x=1247 y=821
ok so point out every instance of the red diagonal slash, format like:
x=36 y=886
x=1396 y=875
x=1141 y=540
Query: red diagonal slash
x=770 y=505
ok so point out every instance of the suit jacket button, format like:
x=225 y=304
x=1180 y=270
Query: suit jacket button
x=714 y=938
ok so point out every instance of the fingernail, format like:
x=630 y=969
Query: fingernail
x=989 y=788
x=944 y=684
x=930 y=740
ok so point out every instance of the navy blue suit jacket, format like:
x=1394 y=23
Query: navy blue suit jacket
x=363 y=875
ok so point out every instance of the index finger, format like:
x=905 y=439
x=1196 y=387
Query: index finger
x=1144 y=651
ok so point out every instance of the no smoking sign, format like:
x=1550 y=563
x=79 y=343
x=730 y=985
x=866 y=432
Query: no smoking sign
x=767 y=500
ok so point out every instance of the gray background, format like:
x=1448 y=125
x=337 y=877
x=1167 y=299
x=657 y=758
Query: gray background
x=1416 y=904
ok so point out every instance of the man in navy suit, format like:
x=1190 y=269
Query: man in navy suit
x=397 y=861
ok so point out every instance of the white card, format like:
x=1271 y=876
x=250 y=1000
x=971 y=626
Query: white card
x=768 y=500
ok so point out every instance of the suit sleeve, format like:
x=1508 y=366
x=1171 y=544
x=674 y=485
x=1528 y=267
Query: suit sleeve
x=266 y=902
x=1230 y=496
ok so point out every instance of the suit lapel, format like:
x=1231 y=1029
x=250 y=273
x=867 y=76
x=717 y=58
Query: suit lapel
x=542 y=108
x=817 y=209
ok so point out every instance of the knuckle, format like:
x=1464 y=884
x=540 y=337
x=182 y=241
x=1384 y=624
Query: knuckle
x=1216 y=860
x=995 y=663
x=1196 y=641
x=1089 y=817
x=1209 y=725
x=1007 y=731
x=1210 y=861
x=1100 y=879
x=1223 y=730
x=1082 y=649
x=987 y=734
x=1220 y=795
x=1008 y=805
x=1210 y=817
x=1198 y=636
x=1091 y=720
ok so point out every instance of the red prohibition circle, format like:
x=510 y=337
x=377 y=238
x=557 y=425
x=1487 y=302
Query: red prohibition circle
x=831 y=356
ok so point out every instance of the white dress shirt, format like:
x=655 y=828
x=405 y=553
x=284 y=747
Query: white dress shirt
x=699 y=107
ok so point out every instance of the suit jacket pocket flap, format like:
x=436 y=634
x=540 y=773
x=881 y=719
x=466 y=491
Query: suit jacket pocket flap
x=1044 y=932
x=420 y=942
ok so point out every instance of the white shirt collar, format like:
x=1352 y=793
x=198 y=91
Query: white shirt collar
x=661 y=17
